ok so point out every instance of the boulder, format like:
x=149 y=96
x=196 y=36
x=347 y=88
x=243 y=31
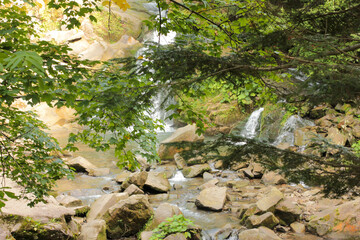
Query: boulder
x=249 y=210
x=164 y=211
x=94 y=52
x=304 y=135
x=128 y=216
x=207 y=176
x=32 y=230
x=146 y=235
x=270 y=200
x=137 y=178
x=273 y=178
x=297 y=227
x=238 y=165
x=336 y=136
x=212 y=198
x=93 y=230
x=69 y=201
x=261 y=233
x=344 y=218
x=157 y=182
x=356 y=131
x=80 y=164
x=211 y=183
x=288 y=211
x=267 y=220
x=167 y=171
x=196 y=170
x=176 y=236
x=187 y=134
x=133 y=189
x=180 y=161
x=102 y=204
x=121 y=177
x=99 y=172
x=219 y=164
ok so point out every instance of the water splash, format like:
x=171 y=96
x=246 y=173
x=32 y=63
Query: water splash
x=178 y=177
x=287 y=132
x=252 y=124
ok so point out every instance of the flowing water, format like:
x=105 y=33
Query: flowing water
x=287 y=132
x=252 y=125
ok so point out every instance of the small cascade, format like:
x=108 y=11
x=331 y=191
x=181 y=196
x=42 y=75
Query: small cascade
x=178 y=177
x=252 y=124
x=287 y=132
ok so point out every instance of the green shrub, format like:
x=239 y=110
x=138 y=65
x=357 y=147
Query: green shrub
x=175 y=224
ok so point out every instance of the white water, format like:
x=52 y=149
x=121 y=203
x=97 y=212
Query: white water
x=287 y=132
x=252 y=124
x=178 y=177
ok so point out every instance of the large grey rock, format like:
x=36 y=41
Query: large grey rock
x=195 y=170
x=133 y=189
x=157 y=182
x=137 y=178
x=344 y=218
x=267 y=220
x=287 y=210
x=102 y=204
x=69 y=201
x=187 y=134
x=261 y=233
x=128 y=216
x=212 y=198
x=32 y=231
x=270 y=200
x=93 y=230
x=273 y=178
x=297 y=227
x=80 y=164
x=164 y=211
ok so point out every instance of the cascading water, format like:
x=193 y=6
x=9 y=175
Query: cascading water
x=287 y=132
x=252 y=124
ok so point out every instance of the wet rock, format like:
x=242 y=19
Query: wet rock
x=267 y=220
x=297 y=227
x=98 y=172
x=304 y=135
x=102 y=204
x=176 y=236
x=187 y=134
x=344 y=218
x=261 y=233
x=167 y=171
x=254 y=170
x=207 y=176
x=164 y=211
x=196 y=160
x=93 y=230
x=196 y=170
x=249 y=210
x=238 y=165
x=80 y=164
x=318 y=112
x=178 y=186
x=120 y=178
x=158 y=197
x=273 y=178
x=31 y=230
x=180 y=161
x=218 y=164
x=157 y=182
x=237 y=184
x=137 y=178
x=208 y=184
x=69 y=201
x=146 y=235
x=128 y=216
x=336 y=136
x=133 y=189
x=212 y=198
x=287 y=211
x=270 y=200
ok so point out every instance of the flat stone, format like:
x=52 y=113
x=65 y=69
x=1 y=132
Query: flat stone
x=196 y=170
x=102 y=204
x=157 y=182
x=93 y=230
x=267 y=220
x=297 y=227
x=207 y=176
x=261 y=233
x=133 y=189
x=212 y=198
x=270 y=200
x=273 y=178
x=287 y=210
x=165 y=211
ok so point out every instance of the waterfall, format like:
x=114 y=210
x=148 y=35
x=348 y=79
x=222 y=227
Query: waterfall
x=287 y=132
x=178 y=177
x=252 y=124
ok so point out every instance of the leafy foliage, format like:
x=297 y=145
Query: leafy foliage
x=175 y=224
